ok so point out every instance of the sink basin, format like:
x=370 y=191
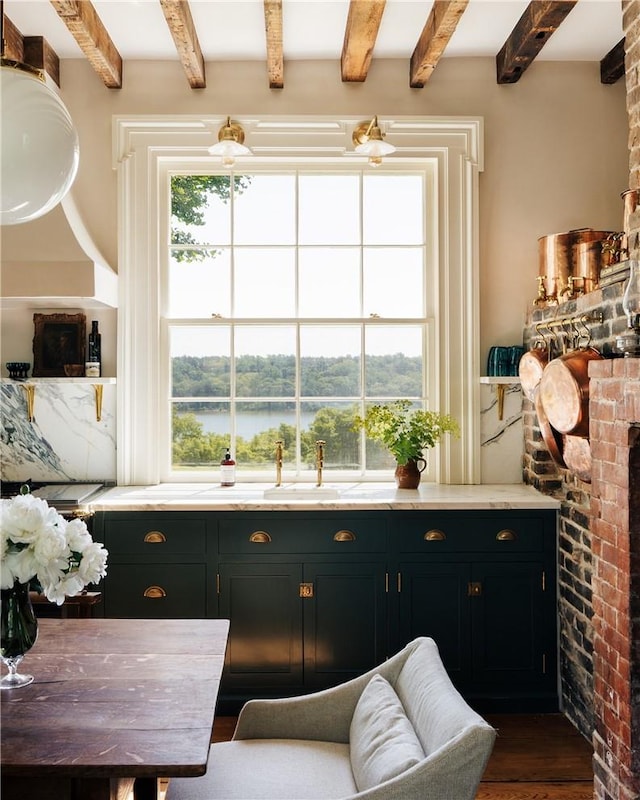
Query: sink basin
x=301 y=493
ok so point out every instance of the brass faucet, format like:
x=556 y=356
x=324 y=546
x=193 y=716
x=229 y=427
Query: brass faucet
x=320 y=443
x=279 y=444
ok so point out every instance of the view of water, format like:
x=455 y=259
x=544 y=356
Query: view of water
x=249 y=424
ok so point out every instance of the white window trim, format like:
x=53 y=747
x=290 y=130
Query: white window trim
x=142 y=145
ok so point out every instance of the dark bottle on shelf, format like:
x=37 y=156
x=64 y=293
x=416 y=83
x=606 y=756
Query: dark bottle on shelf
x=95 y=347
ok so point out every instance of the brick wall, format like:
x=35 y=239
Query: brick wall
x=615 y=515
x=575 y=603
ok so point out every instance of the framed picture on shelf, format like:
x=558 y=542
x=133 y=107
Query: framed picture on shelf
x=59 y=340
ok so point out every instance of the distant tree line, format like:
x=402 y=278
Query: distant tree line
x=274 y=376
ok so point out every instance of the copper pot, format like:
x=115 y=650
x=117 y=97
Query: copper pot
x=564 y=391
x=557 y=254
x=588 y=261
x=551 y=438
x=531 y=367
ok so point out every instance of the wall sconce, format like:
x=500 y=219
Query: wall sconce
x=230 y=143
x=39 y=152
x=629 y=343
x=368 y=140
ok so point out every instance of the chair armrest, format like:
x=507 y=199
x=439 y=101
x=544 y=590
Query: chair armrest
x=322 y=716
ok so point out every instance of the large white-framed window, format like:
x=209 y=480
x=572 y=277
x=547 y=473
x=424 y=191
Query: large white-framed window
x=445 y=153
x=292 y=298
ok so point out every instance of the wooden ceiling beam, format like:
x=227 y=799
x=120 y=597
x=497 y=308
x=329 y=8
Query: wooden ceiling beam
x=539 y=20
x=180 y=22
x=32 y=50
x=38 y=53
x=275 y=52
x=360 y=36
x=435 y=36
x=87 y=29
x=612 y=65
x=13 y=41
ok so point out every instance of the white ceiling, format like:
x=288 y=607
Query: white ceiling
x=314 y=29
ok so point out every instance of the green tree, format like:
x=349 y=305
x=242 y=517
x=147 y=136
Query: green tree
x=190 y=195
x=335 y=427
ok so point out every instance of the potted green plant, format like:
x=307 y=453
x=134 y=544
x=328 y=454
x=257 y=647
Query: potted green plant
x=406 y=432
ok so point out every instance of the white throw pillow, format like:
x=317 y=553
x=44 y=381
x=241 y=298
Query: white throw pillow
x=382 y=741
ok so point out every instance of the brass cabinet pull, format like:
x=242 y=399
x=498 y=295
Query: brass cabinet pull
x=434 y=536
x=155 y=537
x=306 y=590
x=154 y=592
x=344 y=536
x=505 y=536
x=260 y=537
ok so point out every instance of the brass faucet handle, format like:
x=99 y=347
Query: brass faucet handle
x=279 y=444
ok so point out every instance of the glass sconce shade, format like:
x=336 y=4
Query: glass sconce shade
x=39 y=147
x=230 y=143
x=631 y=297
x=368 y=140
x=629 y=343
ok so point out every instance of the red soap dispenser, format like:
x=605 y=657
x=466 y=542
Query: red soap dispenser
x=227 y=470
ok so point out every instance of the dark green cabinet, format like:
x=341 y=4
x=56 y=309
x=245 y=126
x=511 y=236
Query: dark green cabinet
x=344 y=621
x=483 y=586
x=265 y=637
x=306 y=596
x=432 y=601
x=318 y=597
x=159 y=565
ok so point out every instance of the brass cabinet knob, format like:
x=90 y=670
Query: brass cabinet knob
x=505 y=536
x=154 y=592
x=434 y=535
x=155 y=537
x=344 y=536
x=260 y=537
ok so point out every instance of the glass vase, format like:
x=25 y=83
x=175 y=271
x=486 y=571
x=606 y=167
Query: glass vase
x=18 y=634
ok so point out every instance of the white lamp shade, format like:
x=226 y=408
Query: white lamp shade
x=375 y=148
x=39 y=150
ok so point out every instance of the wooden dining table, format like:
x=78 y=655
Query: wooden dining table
x=115 y=704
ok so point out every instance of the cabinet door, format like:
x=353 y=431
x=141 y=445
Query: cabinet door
x=433 y=602
x=344 y=621
x=262 y=602
x=513 y=636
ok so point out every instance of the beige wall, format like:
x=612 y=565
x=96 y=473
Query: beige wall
x=556 y=153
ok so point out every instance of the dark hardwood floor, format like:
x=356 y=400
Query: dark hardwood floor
x=536 y=757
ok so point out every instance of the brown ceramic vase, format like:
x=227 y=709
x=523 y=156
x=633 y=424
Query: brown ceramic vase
x=408 y=475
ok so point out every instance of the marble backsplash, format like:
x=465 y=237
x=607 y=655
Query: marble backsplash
x=502 y=440
x=65 y=441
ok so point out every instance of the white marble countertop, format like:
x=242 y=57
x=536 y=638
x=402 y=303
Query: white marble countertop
x=333 y=497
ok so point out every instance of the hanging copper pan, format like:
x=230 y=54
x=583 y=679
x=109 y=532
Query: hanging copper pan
x=577 y=456
x=564 y=391
x=551 y=438
x=531 y=367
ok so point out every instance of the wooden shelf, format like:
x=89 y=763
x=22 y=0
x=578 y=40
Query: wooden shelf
x=88 y=381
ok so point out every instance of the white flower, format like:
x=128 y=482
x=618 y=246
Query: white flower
x=37 y=542
x=93 y=565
